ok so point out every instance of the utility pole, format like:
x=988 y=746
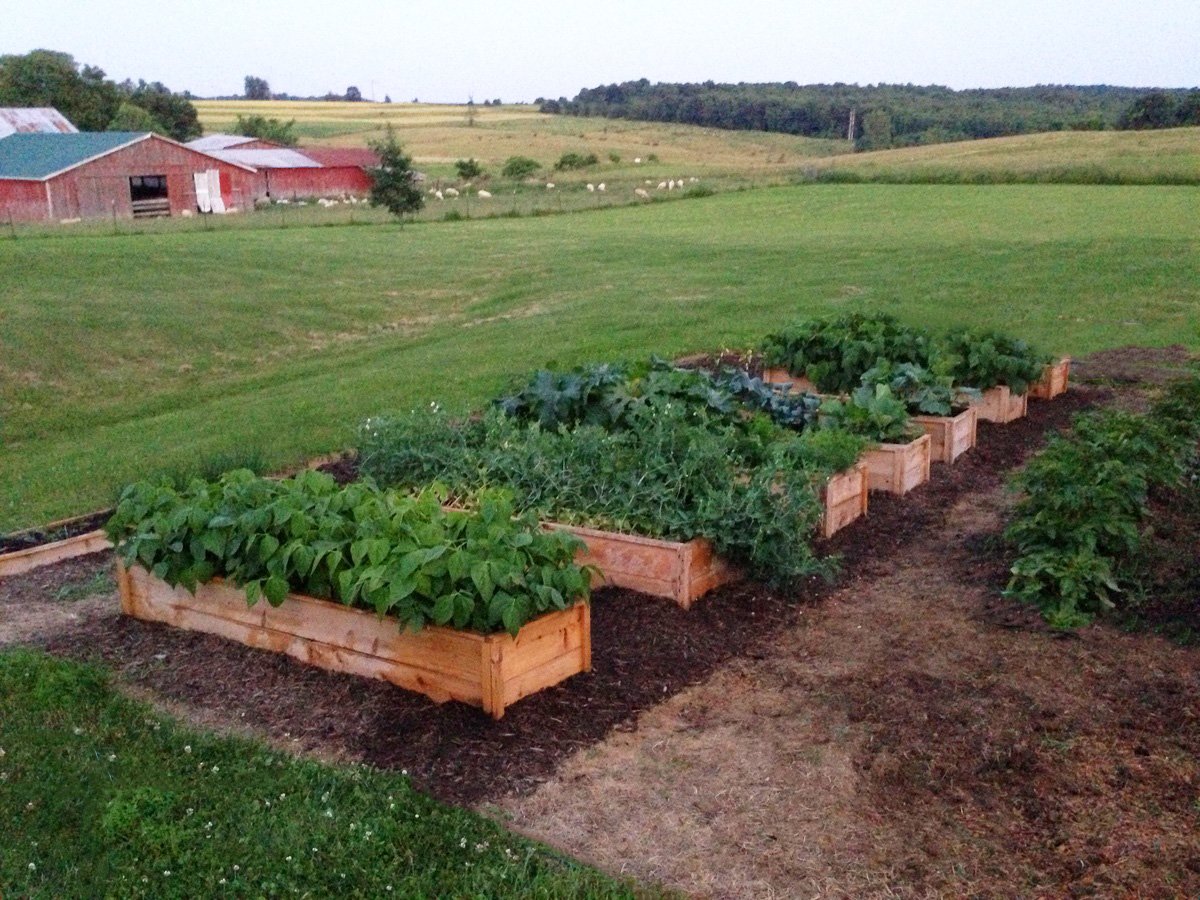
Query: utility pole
x=850 y=130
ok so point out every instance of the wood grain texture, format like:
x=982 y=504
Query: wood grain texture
x=491 y=671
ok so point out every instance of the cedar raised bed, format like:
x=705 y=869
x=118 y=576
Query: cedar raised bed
x=782 y=376
x=844 y=498
x=1053 y=381
x=492 y=671
x=32 y=555
x=950 y=436
x=898 y=468
x=681 y=571
x=999 y=404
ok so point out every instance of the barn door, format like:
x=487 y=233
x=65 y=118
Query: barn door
x=203 y=201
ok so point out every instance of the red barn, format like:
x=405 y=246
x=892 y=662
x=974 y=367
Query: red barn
x=285 y=173
x=46 y=177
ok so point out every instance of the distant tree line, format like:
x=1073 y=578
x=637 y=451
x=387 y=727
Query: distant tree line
x=255 y=88
x=90 y=100
x=883 y=115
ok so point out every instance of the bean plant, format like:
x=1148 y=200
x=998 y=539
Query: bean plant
x=399 y=554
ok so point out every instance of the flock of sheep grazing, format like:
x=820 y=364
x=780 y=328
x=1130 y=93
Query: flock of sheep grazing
x=670 y=184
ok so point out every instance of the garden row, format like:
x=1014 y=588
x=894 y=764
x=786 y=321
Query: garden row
x=482 y=535
x=1080 y=525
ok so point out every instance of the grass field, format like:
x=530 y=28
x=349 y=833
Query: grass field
x=1148 y=157
x=436 y=135
x=101 y=796
x=126 y=355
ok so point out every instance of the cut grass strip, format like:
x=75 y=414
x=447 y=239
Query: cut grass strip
x=102 y=797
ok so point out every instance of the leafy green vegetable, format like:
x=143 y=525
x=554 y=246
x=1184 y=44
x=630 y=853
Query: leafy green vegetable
x=922 y=391
x=752 y=488
x=872 y=412
x=402 y=555
x=835 y=352
x=1079 y=524
x=983 y=359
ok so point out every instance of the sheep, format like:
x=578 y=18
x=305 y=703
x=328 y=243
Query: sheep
x=484 y=195
x=662 y=185
x=549 y=185
x=671 y=185
x=451 y=192
x=637 y=160
x=591 y=187
x=693 y=179
x=642 y=192
x=600 y=187
x=438 y=194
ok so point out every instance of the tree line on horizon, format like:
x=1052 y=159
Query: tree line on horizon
x=93 y=102
x=877 y=117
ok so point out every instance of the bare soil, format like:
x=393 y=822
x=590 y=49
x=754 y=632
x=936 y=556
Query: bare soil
x=903 y=732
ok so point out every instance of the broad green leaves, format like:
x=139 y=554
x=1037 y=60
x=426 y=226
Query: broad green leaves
x=402 y=555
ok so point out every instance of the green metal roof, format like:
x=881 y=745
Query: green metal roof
x=38 y=156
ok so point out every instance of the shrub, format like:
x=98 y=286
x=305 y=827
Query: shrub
x=572 y=160
x=468 y=169
x=519 y=167
x=614 y=158
x=397 y=554
x=835 y=352
x=983 y=358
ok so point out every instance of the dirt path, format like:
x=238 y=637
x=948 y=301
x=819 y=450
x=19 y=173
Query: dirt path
x=914 y=736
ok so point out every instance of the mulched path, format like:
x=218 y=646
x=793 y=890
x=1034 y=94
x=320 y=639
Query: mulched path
x=644 y=650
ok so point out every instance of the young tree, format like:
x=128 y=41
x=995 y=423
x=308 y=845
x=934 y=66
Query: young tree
x=130 y=117
x=257 y=88
x=472 y=112
x=394 y=183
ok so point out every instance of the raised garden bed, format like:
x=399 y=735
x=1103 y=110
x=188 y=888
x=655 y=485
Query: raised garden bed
x=1053 y=381
x=682 y=571
x=950 y=436
x=782 y=376
x=999 y=404
x=491 y=671
x=898 y=468
x=22 y=551
x=844 y=499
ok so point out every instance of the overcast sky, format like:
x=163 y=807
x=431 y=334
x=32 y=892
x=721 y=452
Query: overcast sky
x=439 y=51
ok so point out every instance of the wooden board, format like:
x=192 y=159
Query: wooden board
x=799 y=383
x=1001 y=405
x=492 y=671
x=844 y=498
x=950 y=436
x=679 y=571
x=35 y=557
x=1053 y=381
x=898 y=468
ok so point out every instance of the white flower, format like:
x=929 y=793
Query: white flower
x=112 y=757
x=187 y=748
x=166 y=873
x=33 y=867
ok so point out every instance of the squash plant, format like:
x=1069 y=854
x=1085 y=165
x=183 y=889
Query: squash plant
x=402 y=555
x=834 y=352
x=985 y=358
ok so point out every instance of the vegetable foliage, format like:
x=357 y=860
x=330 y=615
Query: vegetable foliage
x=402 y=555
x=1078 y=527
x=835 y=352
x=983 y=359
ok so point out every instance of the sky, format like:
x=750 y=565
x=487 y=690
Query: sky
x=534 y=48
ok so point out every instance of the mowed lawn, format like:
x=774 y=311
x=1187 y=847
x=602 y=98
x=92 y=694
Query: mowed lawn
x=125 y=355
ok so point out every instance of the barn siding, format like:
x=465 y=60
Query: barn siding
x=324 y=182
x=23 y=201
x=100 y=188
